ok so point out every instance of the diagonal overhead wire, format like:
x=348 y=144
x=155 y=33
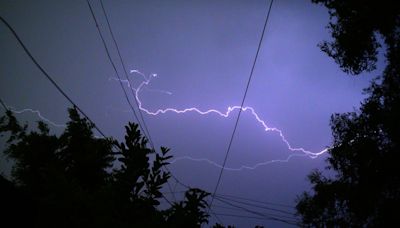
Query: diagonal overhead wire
x=49 y=77
x=255 y=202
x=4 y=105
x=258 y=206
x=145 y=128
x=125 y=70
x=291 y=221
x=54 y=83
x=63 y=93
x=116 y=72
x=252 y=217
x=241 y=105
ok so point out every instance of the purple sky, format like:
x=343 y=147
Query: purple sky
x=202 y=52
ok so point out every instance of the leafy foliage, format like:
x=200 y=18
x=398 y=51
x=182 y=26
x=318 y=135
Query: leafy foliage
x=354 y=27
x=191 y=210
x=365 y=151
x=72 y=180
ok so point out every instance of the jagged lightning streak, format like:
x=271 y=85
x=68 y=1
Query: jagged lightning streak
x=242 y=167
x=230 y=109
x=37 y=112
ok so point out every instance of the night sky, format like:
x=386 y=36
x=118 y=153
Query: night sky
x=202 y=53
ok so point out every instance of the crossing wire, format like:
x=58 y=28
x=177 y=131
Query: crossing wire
x=145 y=128
x=125 y=70
x=256 y=201
x=94 y=125
x=54 y=83
x=241 y=105
x=63 y=93
x=269 y=217
x=49 y=77
x=256 y=205
x=116 y=71
x=4 y=105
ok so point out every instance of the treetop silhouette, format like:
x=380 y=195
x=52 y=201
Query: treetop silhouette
x=79 y=180
x=365 y=190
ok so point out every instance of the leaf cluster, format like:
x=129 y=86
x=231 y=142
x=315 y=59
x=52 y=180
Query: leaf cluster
x=79 y=180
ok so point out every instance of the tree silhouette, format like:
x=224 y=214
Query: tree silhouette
x=73 y=180
x=365 y=153
x=189 y=213
x=355 y=28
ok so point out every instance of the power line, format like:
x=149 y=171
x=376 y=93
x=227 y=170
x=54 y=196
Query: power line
x=242 y=103
x=141 y=116
x=49 y=77
x=167 y=200
x=234 y=205
x=84 y=114
x=57 y=86
x=230 y=197
x=258 y=206
x=227 y=208
x=216 y=217
x=115 y=70
x=256 y=201
x=4 y=105
x=251 y=217
x=238 y=209
x=266 y=216
x=126 y=76
x=145 y=128
x=125 y=71
x=53 y=82
x=258 y=212
x=240 y=216
x=62 y=92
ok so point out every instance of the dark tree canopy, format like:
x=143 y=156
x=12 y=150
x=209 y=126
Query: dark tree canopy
x=355 y=25
x=365 y=192
x=71 y=180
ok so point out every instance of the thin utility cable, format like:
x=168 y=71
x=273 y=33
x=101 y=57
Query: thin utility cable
x=264 y=213
x=49 y=77
x=256 y=201
x=258 y=213
x=170 y=188
x=232 y=197
x=167 y=200
x=238 y=209
x=116 y=71
x=4 y=105
x=126 y=77
x=124 y=68
x=241 y=207
x=57 y=86
x=240 y=216
x=177 y=180
x=176 y=192
x=251 y=217
x=216 y=217
x=258 y=206
x=241 y=105
x=173 y=190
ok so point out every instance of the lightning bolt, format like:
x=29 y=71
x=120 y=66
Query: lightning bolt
x=247 y=109
x=146 y=81
x=39 y=114
x=36 y=112
x=240 y=168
